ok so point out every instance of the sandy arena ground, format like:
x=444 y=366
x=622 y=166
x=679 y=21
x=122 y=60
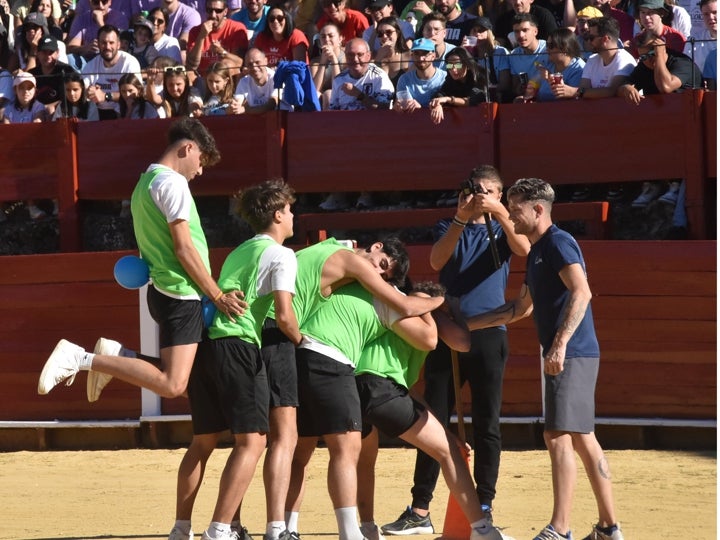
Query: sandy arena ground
x=130 y=494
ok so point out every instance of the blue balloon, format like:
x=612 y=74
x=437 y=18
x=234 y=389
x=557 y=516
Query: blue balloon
x=208 y=309
x=131 y=272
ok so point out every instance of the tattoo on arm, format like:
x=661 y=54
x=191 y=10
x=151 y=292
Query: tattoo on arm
x=572 y=316
x=604 y=468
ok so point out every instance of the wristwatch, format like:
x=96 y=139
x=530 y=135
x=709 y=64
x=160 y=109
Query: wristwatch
x=108 y=97
x=580 y=92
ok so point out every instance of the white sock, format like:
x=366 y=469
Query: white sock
x=291 y=520
x=86 y=360
x=184 y=525
x=348 y=527
x=273 y=529
x=482 y=525
x=216 y=529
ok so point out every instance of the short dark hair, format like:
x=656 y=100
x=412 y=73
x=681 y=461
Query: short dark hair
x=258 y=204
x=520 y=18
x=487 y=172
x=532 y=189
x=108 y=29
x=432 y=16
x=430 y=288
x=565 y=41
x=606 y=26
x=193 y=130
x=395 y=249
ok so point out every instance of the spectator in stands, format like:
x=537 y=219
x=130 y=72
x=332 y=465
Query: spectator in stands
x=164 y=44
x=464 y=85
x=678 y=18
x=379 y=10
x=155 y=78
x=527 y=55
x=563 y=12
x=218 y=90
x=544 y=22
x=255 y=92
x=609 y=67
x=458 y=23
x=329 y=64
x=492 y=59
x=143 y=48
x=76 y=104
x=710 y=70
x=651 y=13
x=218 y=38
x=581 y=26
x=181 y=19
x=50 y=73
x=133 y=104
x=417 y=87
x=201 y=5
x=179 y=98
x=563 y=69
x=660 y=70
x=254 y=16
x=362 y=84
x=82 y=42
x=280 y=40
x=45 y=8
x=33 y=29
x=350 y=22
x=22 y=8
x=393 y=56
x=627 y=24
x=699 y=46
x=102 y=72
x=432 y=27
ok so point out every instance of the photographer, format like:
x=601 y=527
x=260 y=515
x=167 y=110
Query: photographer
x=463 y=255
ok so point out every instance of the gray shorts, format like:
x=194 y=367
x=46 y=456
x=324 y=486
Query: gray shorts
x=570 y=396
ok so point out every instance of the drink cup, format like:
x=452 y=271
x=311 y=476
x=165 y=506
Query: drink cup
x=403 y=97
x=557 y=78
x=471 y=43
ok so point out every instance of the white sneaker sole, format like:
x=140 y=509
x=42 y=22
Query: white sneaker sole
x=409 y=532
x=97 y=381
x=52 y=374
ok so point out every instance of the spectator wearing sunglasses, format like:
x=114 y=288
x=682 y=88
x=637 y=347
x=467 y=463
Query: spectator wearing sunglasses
x=82 y=39
x=164 y=44
x=254 y=16
x=181 y=19
x=463 y=87
x=350 y=22
x=280 y=40
x=216 y=39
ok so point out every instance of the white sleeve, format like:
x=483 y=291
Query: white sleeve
x=388 y=316
x=171 y=194
x=277 y=270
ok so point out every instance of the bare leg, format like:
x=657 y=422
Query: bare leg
x=278 y=460
x=169 y=382
x=564 y=476
x=598 y=472
x=237 y=474
x=344 y=449
x=366 y=477
x=191 y=472
x=301 y=457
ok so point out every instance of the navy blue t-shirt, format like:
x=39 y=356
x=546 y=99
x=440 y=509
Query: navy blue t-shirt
x=470 y=273
x=555 y=250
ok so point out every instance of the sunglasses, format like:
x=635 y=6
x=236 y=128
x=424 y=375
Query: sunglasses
x=276 y=18
x=98 y=2
x=155 y=21
x=175 y=69
x=455 y=65
x=214 y=10
x=386 y=33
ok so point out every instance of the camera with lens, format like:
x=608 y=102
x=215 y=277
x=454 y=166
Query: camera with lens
x=468 y=187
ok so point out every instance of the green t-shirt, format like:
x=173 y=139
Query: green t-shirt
x=240 y=272
x=392 y=357
x=155 y=242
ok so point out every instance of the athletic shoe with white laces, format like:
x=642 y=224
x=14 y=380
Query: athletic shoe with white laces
x=62 y=364
x=96 y=381
x=371 y=534
x=549 y=533
x=409 y=523
x=178 y=534
x=485 y=533
x=610 y=533
x=243 y=533
x=289 y=535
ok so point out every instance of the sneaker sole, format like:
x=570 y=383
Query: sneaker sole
x=410 y=531
x=96 y=381
x=47 y=383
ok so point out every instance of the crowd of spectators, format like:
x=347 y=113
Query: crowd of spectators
x=128 y=59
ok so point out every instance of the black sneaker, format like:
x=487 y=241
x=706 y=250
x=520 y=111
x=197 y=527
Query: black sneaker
x=409 y=523
x=243 y=533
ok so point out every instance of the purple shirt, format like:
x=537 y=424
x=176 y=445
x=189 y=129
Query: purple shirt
x=126 y=7
x=84 y=26
x=184 y=19
x=199 y=5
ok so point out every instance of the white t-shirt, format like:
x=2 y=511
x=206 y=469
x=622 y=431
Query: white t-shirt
x=250 y=93
x=95 y=72
x=277 y=269
x=702 y=47
x=374 y=83
x=168 y=46
x=171 y=193
x=601 y=75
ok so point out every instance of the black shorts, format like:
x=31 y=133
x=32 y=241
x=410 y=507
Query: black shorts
x=278 y=353
x=386 y=405
x=228 y=388
x=180 y=321
x=329 y=401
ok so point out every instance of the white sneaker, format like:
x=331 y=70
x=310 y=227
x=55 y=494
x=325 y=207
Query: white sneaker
x=96 y=381
x=63 y=363
x=490 y=533
x=371 y=533
x=176 y=533
x=230 y=535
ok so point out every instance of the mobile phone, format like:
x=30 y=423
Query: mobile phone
x=523 y=78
